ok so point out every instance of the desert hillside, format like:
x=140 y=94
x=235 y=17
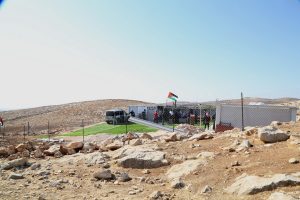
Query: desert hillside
x=62 y=117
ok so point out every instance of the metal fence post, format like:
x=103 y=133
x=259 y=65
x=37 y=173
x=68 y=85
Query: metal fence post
x=83 y=130
x=48 y=130
x=28 y=125
x=242 y=104
x=24 y=132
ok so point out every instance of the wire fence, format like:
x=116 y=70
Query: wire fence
x=44 y=130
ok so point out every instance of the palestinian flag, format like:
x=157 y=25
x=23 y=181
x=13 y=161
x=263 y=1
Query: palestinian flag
x=172 y=96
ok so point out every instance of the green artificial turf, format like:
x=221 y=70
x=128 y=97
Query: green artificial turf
x=111 y=129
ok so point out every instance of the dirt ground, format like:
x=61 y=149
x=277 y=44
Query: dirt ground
x=261 y=160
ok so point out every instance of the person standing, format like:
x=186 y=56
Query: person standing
x=206 y=120
x=1 y=121
x=155 y=117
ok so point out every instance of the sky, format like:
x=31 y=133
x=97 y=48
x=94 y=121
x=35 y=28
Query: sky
x=54 y=52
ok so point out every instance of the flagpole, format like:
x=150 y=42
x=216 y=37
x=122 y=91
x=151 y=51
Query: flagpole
x=174 y=116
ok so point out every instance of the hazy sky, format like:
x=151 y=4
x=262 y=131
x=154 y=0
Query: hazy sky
x=54 y=51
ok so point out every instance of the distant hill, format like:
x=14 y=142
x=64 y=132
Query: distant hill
x=61 y=117
x=247 y=100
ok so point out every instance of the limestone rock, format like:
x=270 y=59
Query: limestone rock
x=15 y=176
x=25 y=153
x=124 y=177
x=185 y=168
x=66 y=150
x=201 y=136
x=14 y=163
x=21 y=147
x=141 y=158
x=206 y=189
x=75 y=145
x=248 y=185
x=38 y=153
x=104 y=175
x=3 y=152
x=206 y=154
x=293 y=161
x=115 y=145
x=95 y=158
x=136 y=142
x=146 y=136
x=251 y=131
x=35 y=166
x=271 y=134
x=58 y=154
x=52 y=150
x=155 y=195
x=11 y=150
x=89 y=147
x=281 y=196
x=171 y=137
x=177 y=183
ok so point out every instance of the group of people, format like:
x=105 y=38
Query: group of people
x=206 y=119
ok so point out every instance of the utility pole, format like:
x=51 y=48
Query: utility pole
x=242 y=102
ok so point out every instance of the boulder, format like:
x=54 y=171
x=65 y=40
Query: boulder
x=141 y=158
x=25 y=153
x=245 y=144
x=35 y=166
x=89 y=147
x=3 y=152
x=14 y=163
x=276 y=123
x=38 y=153
x=136 y=142
x=155 y=195
x=21 y=147
x=251 y=131
x=104 y=175
x=281 y=196
x=11 y=150
x=171 y=137
x=115 y=145
x=206 y=189
x=206 y=155
x=249 y=185
x=124 y=177
x=201 y=136
x=271 y=134
x=146 y=136
x=15 y=176
x=66 y=150
x=293 y=161
x=177 y=183
x=185 y=168
x=58 y=154
x=75 y=145
x=13 y=157
x=52 y=150
x=95 y=158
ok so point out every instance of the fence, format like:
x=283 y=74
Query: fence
x=23 y=130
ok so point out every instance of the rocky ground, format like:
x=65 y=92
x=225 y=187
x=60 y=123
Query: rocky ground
x=259 y=163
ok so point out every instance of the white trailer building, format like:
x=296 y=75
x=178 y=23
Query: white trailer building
x=254 y=115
